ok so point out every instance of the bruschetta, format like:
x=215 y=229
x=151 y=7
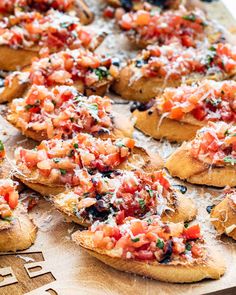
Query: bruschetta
x=77 y=7
x=223 y=215
x=89 y=72
x=122 y=194
x=178 y=113
x=158 y=67
x=17 y=232
x=63 y=112
x=58 y=164
x=154 y=27
x=209 y=159
x=30 y=34
x=163 y=251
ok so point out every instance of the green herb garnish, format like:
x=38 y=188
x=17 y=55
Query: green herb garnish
x=142 y=203
x=75 y=145
x=188 y=247
x=63 y=171
x=135 y=240
x=101 y=73
x=160 y=244
x=1 y=146
x=56 y=160
x=191 y=17
x=230 y=159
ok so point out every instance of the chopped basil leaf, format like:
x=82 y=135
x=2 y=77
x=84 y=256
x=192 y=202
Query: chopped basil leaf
x=56 y=160
x=135 y=240
x=120 y=144
x=1 y=146
x=63 y=171
x=191 y=17
x=150 y=191
x=9 y=218
x=101 y=73
x=230 y=159
x=186 y=224
x=75 y=145
x=142 y=203
x=160 y=244
x=188 y=247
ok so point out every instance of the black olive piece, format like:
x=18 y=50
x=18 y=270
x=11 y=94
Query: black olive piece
x=142 y=107
x=96 y=214
x=182 y=188
x=116 y=62
x=127 y=4
x=168 y=250
x=102 y=131
x=209 y=208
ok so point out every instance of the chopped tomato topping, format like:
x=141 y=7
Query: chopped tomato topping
x=8 y=198
x=62 y=160
x=215 y=144
x=148 y=241
x=162 y=27
x=208 y=100
x=125 y=193
x=54 y=30
x=173 y=61
x=62 y=112
x=192 y=233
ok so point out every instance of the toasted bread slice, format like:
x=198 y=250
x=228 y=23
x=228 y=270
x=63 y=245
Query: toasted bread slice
x=198 y=172
x=184 y=210
x=152 y=124
x=223 y=217
x=212 y=267
x=19 y=234
x=145 y=88
x=140 y=159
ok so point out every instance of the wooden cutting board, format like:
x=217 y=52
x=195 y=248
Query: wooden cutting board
x=55 y=265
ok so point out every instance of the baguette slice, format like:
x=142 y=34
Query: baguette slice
x=223 y=216
x=19 y=234
x=141 y=80
x=139 y=159
x=152 y=124
x=93 y=114
x=42 y=72
x=179 y=208
x=198 y=172
x=212 y=268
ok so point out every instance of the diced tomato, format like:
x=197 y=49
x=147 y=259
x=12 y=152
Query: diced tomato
x=192 y=232
x=109 y=12
x=13 y=200
x=120 y=217
x=137 y=227
x=199 y=113
x=176 y=113
x=196 y=251
x=144 y=255
x=85 y=37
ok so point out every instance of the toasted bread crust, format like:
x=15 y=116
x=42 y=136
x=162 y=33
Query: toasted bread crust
x=14 y=59
x=223 y=217
x=213 y=267
x=19 y=235
x=198 y=172
x=144 y=88
x=150 y=123
x=83 y=12
x=140 y=159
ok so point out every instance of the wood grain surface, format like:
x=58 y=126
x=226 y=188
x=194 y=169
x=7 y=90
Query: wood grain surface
x=55 y=265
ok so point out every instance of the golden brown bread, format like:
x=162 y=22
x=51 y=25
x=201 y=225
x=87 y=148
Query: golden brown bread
x=83 y=12
x=151 y=123
x=182 y=165
x=213 y=267
x=144 y=88
x=19 y=234
x=140 y=159
x=223 y=217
